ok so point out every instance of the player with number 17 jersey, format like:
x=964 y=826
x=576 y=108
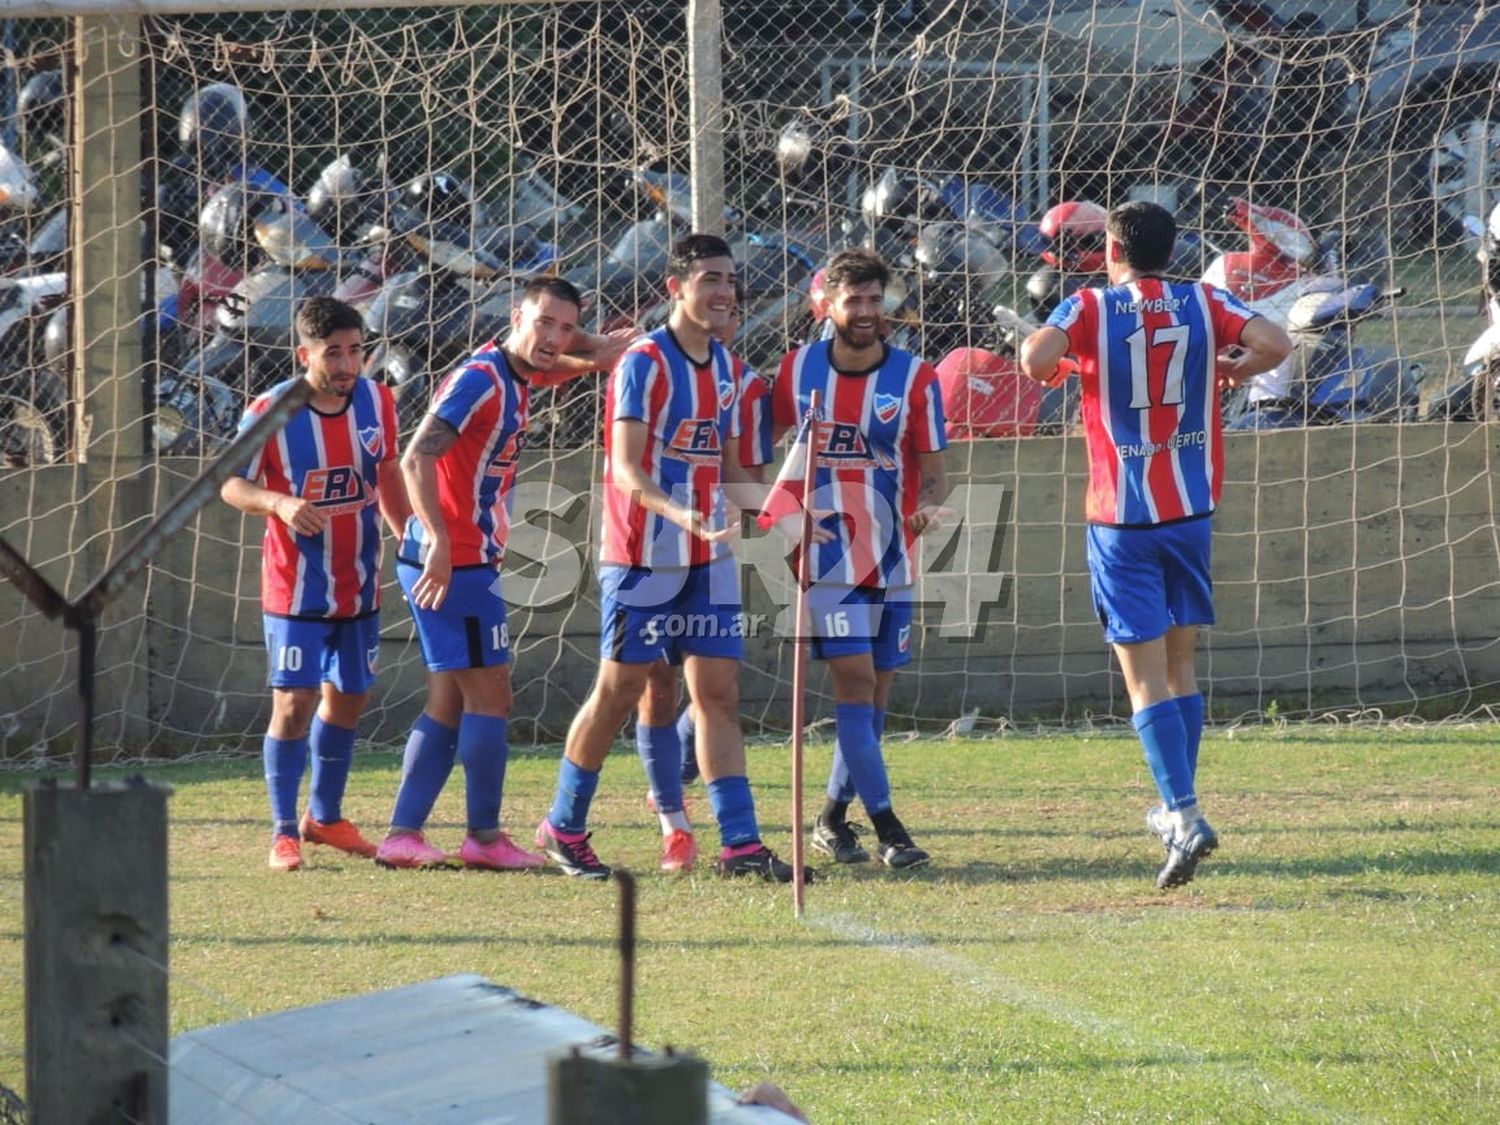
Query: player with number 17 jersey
x=332 y=461
x=1150 y=396
x=875 y=423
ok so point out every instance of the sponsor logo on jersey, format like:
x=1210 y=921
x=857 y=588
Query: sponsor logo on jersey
x=842 y=445
x=336 y=489
x=695 y=440
x=372 y=439
x=887 y=407
x=508 y=455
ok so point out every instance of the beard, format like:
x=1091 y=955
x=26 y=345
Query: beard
x=852 y=337
x=326 y=384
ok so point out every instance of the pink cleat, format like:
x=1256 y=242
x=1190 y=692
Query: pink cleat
x=679 y=852
x=410 y=850
x=498 y=855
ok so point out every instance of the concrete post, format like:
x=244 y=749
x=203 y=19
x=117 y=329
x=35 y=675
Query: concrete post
x=706 y=114
x=96 y=953
x=585 y=1090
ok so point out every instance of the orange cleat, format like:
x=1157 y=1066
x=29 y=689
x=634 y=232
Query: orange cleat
x=286 y=854
x=340 y=834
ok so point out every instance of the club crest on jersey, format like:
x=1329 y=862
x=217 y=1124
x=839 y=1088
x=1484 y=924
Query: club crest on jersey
x=903 y=639
x=338 y=488
x=887 y=407
x=726 y=395
x=695 y=440
x=842 y=445
x=370 y=438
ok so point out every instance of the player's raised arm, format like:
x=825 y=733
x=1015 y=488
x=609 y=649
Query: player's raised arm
x=1263 y=345
x=1042 y=355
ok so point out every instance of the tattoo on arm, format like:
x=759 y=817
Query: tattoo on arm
x=434 y=437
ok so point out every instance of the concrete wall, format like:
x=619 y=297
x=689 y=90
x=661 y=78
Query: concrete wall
x=1355 y=567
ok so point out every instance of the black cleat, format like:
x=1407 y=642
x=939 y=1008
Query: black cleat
x=840 y=840
x=898 y=851
x=762 y=862
x=575 y=857
x=1184 y=853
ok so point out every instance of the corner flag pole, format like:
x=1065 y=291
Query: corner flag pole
x=799 y=659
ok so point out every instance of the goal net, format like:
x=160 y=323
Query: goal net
x=419 y=160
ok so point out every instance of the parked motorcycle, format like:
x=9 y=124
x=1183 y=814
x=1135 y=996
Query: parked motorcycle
x=1299 y=282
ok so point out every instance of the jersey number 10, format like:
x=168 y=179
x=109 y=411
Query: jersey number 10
x=1145 y=341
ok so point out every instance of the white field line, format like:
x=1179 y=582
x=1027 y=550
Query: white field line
x=986 y=982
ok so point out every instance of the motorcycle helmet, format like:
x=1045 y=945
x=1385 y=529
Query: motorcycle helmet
x=1074 y=233
x=443 y=198
x=40 y=107
x=213 y=128
x=817 y=296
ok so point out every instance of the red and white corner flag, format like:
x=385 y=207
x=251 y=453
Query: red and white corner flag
x=789 y=488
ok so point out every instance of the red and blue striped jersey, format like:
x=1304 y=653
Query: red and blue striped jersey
x=689 y=411
x=332 y=460
x=756 y=425
x=874 y=425
x=1150 y=396
x=487 y=403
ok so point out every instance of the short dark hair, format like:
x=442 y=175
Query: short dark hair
x=320 y=317
x=694 y=248
x=549 y=286
x=1145 y=233
x=856 y=267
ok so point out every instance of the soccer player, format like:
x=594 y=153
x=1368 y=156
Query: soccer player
x=660 y=731
x=318 y=483
x=1151 y=356
x=668 y=581
x=459 y=468
x=880 y=472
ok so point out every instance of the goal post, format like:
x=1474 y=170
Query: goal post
x=1357 y=560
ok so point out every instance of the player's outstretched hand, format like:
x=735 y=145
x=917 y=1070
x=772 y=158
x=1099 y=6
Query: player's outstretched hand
x=929 y=515
x=791 y=527
x=302 y=516
x=694 y=524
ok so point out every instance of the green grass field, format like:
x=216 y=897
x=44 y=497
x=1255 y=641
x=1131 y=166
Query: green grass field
x=1338 y=959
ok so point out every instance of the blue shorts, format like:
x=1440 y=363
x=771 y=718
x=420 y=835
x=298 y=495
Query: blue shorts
x=1148 y=579
x=469 y=630
x=306 y=652
x=671 y=614
x=851 y=620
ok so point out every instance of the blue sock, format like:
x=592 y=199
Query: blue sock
x=734 y=809
x=424 y=771
x=332 y=752
x=840 y=787
x=484 y=749
x=860 y=750
x=661 y=754
x=1164 y=739
x=1191 y=708
x=687 y=735
x=285 y=759
x=575 y=790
